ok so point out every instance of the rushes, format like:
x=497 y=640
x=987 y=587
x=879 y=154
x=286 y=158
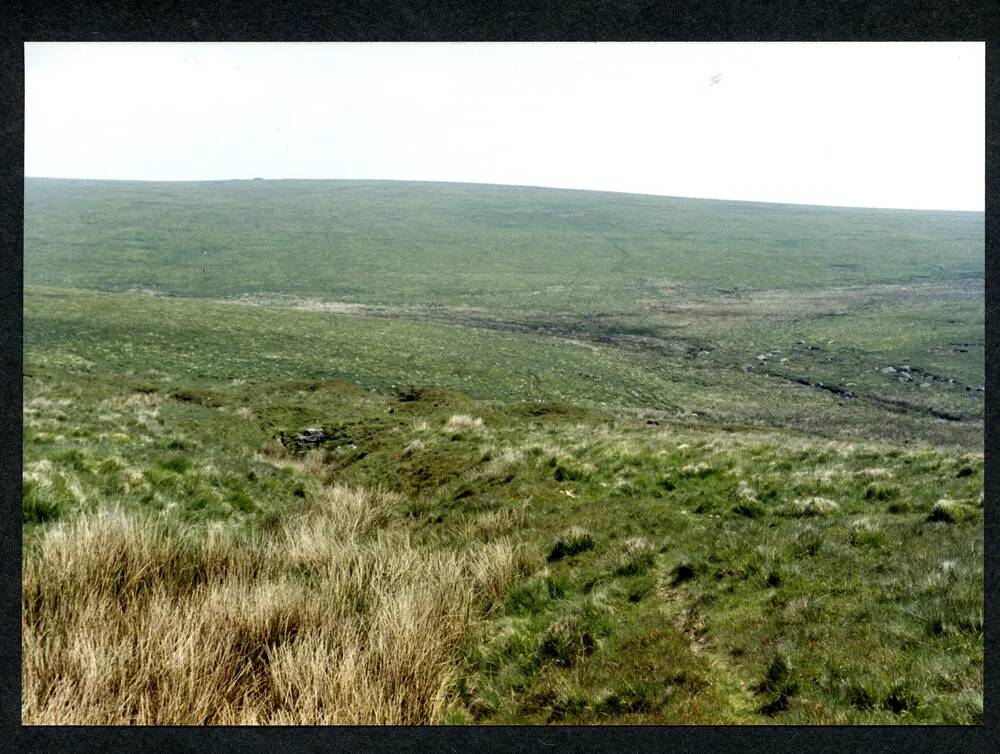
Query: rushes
x=331 y=619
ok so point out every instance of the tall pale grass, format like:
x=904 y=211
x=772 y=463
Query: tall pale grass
x=497 y=523
x=458 y=422
x=333 y=619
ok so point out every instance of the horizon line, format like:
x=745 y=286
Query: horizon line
x=501 y=185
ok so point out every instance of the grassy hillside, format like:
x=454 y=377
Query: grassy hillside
x=588 y=457
x=171 y=339
x=803 y=295
x=448 y=560
x=503 y=249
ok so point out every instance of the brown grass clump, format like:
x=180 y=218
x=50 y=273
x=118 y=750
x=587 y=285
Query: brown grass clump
x=813 y=506
x=459 y=422
x=310 y=463
x=497 y=523
x=493 y=568
x=333 y=619
x=499 y=465
x=414 y=447
x=876 y=472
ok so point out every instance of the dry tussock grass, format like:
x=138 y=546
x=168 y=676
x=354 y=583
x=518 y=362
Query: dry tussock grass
x=497 y=523
x=876 y=472
x=333 y=619
x=500 y=463
x=40 y=472
x=494 y=567
x=311 y=463
x=41 y=403
x=415 y=446
x=813 y=506
x=459 y=422
x=823 y=475
x=547 y=451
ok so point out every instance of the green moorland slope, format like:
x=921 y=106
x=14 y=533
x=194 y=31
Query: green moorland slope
x=800 y=294
x=589 y=457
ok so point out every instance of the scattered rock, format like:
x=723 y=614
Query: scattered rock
x=838 y=390
x=309 y=437
x=907 y=373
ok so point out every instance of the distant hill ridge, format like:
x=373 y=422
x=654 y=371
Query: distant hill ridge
x=388 y=242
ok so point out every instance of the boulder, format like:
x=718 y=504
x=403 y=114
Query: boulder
x=310 y=437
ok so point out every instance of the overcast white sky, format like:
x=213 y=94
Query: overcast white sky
x=857 y=124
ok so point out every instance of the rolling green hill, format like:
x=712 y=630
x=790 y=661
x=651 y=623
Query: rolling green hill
x=501 y=248
x=585 y=457
x=702 y=292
